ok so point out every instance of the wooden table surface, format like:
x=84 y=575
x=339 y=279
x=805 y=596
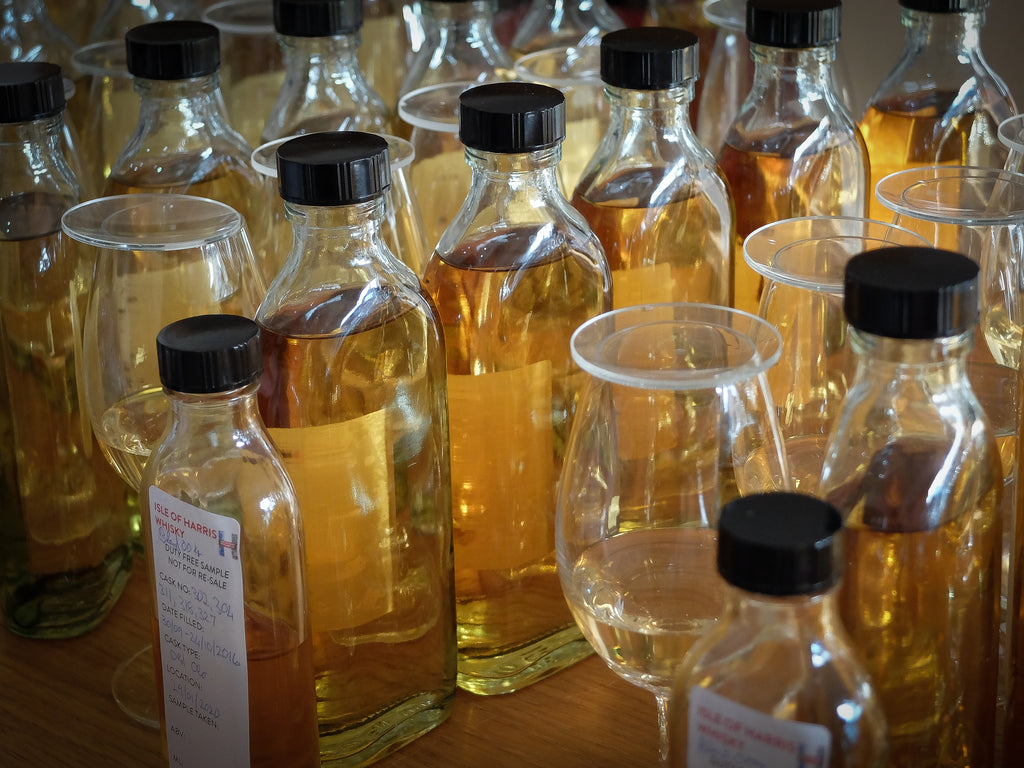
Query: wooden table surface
x=56 y=710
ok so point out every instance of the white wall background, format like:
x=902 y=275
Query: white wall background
x=873 y=38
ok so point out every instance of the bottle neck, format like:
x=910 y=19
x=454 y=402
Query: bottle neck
x=195 y=105
x=906 y=357
x=221 y=416
x=809 y=70
x=943 y=33
x=33 y=160
x=518 y=171
x=662 y=111
x=814 y=615
x=336 y=230
x=457 y=20
x=333 y=54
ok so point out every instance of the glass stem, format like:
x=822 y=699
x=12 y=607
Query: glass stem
x=662 y=699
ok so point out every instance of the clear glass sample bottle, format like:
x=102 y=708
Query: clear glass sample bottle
x=231 y=638
x=563 y=23
x=324 y=88
x=459 y=44
x=354 y=394
x=941 y=103
x=912 y=466
x=64 y=526
x=183 y=142
x=793 y=148
x=778 y=670
x=514 y=274
x=652 y=192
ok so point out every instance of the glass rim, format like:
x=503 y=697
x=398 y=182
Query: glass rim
x=892 y=192
x=1011 y=133
x=726 y=14
x=761 y=239
x=401 y=153
x=97 y=222
x=227 y=24
x=87 y=59
x=410 y=106
x=598 y=331
x=591 y=76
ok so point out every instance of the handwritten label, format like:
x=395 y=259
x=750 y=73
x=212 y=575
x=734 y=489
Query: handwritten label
x=202 y=633
x=724 y=734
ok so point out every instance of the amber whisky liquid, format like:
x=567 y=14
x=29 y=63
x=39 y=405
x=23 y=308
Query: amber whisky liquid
x=922 y=608
x=679 y=251
x=280 y=705
x=771 y=180
x=64 y=514
x=512 y=395
x=352 y=392
x=911 y=131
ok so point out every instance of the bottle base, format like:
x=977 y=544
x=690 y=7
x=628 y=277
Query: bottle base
x=372 y=739
x=520 y=667
x=67 y=605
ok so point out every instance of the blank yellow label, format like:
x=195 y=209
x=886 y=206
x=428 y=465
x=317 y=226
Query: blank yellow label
x=503 y=475
x=343 y=476
x=645 y=285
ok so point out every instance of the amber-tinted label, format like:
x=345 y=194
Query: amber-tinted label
x=343 y=476
x=503 y=475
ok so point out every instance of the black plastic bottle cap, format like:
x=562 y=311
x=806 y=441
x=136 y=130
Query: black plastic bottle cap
x=911 y=292
x=30 y=90
x=793 y=23
x=173 y=50
x=209 y=353
x=780 y=544
x=649 y=58
x=333 y=168
x=945 y=6
x=511 y=117
x=317 y=18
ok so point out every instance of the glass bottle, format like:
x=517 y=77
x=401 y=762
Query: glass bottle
x=779 y=663
x=324 y=88
x=354 y=394
x=941 y=103
x=183 y=142
x=459 y=44
x=514 y=274
x=231 y=638
x=913 y=467
x=30 y=34
x=562 y=24
x=793 y=148
x=64 y=532
x=652 y=192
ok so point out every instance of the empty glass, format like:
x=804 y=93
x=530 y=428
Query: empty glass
x=803 y=261
x=252 y=67
x=1011 y=134
x=439 y=175
x=576 y=72
x=107 y=113
x=158 y=258
x=978 y=212
x=675 y=420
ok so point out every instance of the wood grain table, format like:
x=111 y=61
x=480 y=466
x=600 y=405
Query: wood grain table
x=56 y=710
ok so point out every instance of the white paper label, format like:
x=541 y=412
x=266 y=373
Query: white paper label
x=202 y=633
x=724 y=734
